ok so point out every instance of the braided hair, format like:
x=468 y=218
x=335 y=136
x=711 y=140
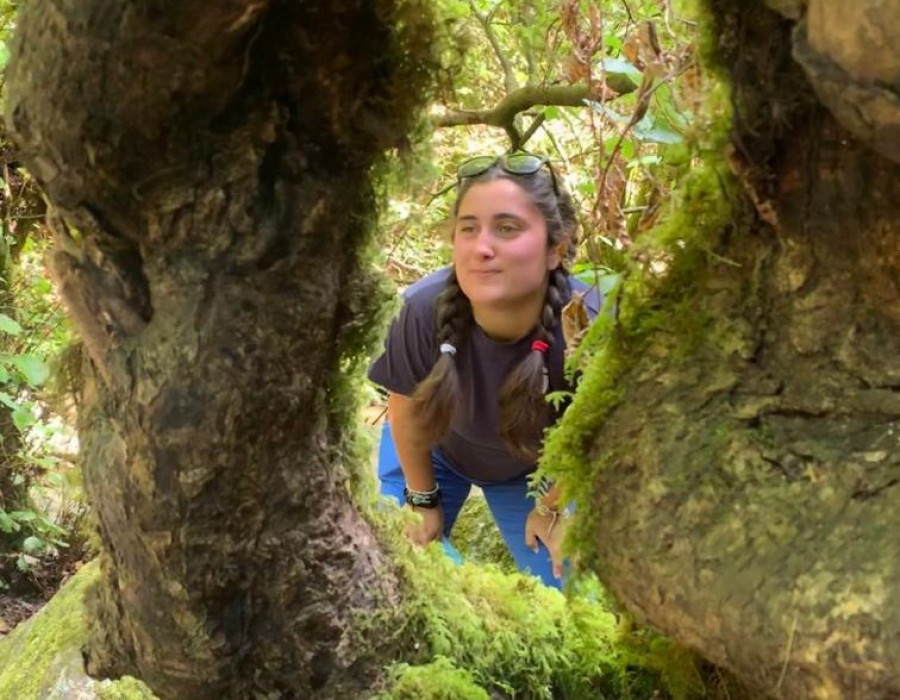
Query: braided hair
x=437 y=396
x=524 y=410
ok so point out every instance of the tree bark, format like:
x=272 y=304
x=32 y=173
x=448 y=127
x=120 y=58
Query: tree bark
x=214 y=161
x=746 y=503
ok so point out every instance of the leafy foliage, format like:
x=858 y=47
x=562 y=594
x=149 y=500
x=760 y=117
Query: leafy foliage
x=40 y=501
x=38 y=516
x=616 y=154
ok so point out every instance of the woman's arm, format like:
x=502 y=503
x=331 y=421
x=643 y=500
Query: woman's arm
x=414 y=453
x=415 y=461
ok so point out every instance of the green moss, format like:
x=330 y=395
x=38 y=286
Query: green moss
x=511 y=635
x=126 y=688
x=41 y=659
x=439 y=680
x=27 y=656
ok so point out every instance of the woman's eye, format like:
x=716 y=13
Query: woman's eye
x=466 y=230
x=507 y=229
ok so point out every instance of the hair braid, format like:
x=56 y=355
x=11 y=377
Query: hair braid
x=524 y=410
x=437 y=396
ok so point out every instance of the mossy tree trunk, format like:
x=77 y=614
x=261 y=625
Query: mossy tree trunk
x=214 y=160
x=746 y=499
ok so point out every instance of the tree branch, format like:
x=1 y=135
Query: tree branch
x=525 y=98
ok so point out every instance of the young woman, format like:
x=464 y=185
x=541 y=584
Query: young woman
x=474 y=351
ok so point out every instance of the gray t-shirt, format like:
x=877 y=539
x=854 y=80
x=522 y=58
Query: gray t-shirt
x=473 y=446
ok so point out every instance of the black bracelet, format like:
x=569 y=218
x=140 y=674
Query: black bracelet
x=422 y=499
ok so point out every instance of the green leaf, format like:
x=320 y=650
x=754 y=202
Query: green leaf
x=619 y=66
x=46 y=528
x=22 y=563
x=23 y=516
x=56 y=480
x=657 y=135
x=649 y=159
x=656 y=129
x=605 y=282
x=33 y=545
x=47 y=462
x=7 y=524
x=33 y=368
x=23 y=418
x=4 y=55
x=588 y=189
x=9 y=325
x=608 y=282
x=8 y=401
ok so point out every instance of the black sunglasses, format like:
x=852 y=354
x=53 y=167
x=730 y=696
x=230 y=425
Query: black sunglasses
x=520 y=163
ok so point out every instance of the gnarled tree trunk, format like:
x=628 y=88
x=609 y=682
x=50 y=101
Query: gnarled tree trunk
x=747 y=504
x=215 y=157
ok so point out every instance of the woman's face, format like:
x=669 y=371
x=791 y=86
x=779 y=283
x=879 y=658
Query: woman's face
x=500 y=245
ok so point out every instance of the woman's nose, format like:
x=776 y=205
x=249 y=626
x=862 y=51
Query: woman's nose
x=484 y=244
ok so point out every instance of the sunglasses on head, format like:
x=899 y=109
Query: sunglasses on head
x=520 y=163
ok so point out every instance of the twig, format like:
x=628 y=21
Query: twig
x=509 y=76
x=378 y=417
x=787 y=653
x=535 y=124
x=644 y=94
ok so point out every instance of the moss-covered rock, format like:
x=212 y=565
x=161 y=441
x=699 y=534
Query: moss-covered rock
x=41 y=659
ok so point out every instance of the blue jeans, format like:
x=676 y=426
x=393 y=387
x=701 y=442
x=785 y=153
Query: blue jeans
x=509 y=503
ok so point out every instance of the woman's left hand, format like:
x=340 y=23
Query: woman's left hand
x=550 y=528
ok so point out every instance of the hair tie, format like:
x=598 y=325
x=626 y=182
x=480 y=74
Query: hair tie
x=447 y=349
x=540 y=346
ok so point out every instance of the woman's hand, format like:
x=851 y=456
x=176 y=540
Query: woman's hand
x=548 y=526
x=430 y=528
